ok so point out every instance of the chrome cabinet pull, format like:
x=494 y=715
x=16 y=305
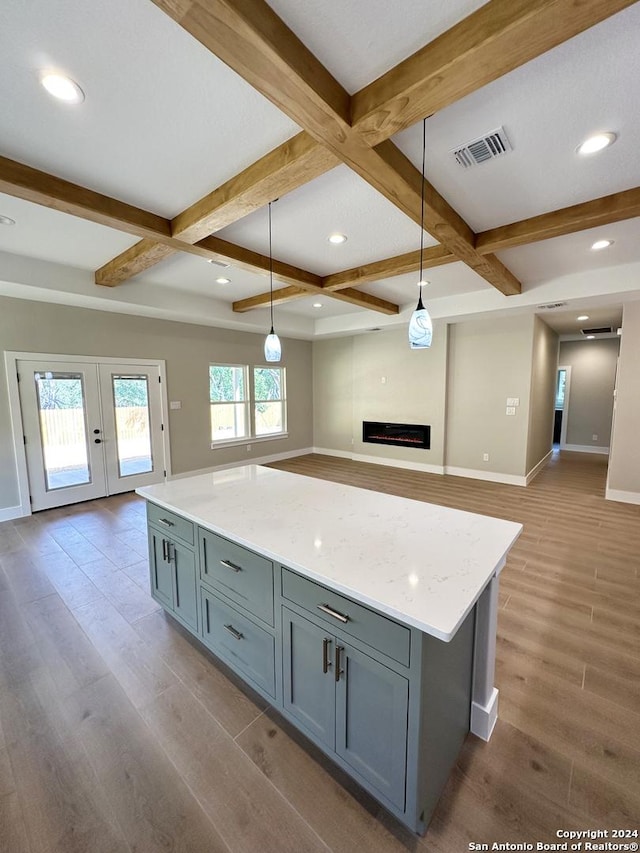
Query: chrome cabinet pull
x=331 y=612
x=326 y=663
x=338 y=671
x=227 y=564
x=235 y=634
x=166 y=522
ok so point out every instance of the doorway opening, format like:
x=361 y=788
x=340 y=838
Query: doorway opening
x=563 y=389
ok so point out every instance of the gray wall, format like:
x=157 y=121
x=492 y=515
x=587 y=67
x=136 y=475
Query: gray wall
x=188 y=350
x=624 y=460
x=489 y=360
x=349 y=388
x=593 y=374
x=543 y=393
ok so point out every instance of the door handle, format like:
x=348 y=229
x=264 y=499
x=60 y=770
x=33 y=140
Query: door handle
x=338 y=671
x=326 y=663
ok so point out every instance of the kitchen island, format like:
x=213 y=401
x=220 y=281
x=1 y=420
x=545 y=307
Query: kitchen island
x=366 y=619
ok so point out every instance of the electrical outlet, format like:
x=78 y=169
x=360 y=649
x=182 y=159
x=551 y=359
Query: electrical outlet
x=511 y=410
x=594 y=437
x=485 y=457
x=248 y=448
x=383 y=380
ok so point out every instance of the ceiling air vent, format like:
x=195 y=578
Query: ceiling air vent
x=486 y=147
x=219 y=263
x=551 y=305
x=601 y=330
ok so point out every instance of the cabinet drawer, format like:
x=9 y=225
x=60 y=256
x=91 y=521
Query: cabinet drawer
x=243 y=576
x=373 y=628
x=238 y=641
x=175 y=526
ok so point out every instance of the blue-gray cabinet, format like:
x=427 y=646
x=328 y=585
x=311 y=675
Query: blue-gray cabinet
x=172 y=565
x=388 y=703
x=348 y=702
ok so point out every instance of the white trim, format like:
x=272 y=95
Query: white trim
x=490 y=476
x=11 y=359
x=323 y=451
x=11 y=512
x=537 y=468
x=239 y=442
x=565 y=405
x=585 y=448
x=622 y=496
x=262 y=460
x=483 y=717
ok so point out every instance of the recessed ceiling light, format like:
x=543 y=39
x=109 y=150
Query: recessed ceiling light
x=601 y=244
x=596 y=143
x=591 y=337
x=5 y=220
x=223 y=281
x=317 y=304
x=336 y=239
x=63 y=88
x=582 y=317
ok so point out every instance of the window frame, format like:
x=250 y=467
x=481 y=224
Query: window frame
x=249 y=404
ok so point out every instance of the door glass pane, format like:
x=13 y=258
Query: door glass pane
x=133 y=434
x=63 y=431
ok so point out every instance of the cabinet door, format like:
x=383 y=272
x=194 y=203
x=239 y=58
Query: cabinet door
x=183 y=563
x=160 y=569
x=309 y=692
x=371 y=722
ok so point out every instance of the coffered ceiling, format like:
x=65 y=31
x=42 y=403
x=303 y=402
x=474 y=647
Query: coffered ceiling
x=198 y=112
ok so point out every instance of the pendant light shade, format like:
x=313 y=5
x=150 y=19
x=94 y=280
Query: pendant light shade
x=420 y=326
x=272 y=347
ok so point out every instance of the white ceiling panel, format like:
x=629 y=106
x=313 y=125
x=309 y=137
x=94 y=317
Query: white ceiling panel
x=360 y=40
x=547 y=107
x=443 y=281
x=338 y=201
x=52 y=236
x=572 y=253
x=164 y=121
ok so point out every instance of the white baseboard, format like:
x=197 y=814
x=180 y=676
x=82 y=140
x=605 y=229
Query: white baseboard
x=483 y=718
x=11 y=512
x=323 y=451
x=536 y=469
x=382 y=460
x=622 y=496
x=260 y=460
x=490 y=476
x=585 y=448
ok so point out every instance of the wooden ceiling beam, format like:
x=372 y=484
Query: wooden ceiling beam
x=346 y=294
x=568 y=220
x=284 y=169
x=252 y=40
x=500 y=36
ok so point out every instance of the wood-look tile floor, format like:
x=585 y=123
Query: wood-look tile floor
x=118 y=733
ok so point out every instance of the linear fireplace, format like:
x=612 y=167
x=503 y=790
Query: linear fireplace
x=402 y=435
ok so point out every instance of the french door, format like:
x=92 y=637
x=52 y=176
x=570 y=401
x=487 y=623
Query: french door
x=90 y=429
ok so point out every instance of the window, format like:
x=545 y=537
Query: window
x=229 y=402
x=246 y=403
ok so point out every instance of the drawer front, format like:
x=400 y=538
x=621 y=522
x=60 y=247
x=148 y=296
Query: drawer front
x=174 y=525
x=243 y=576
x=379 y=632
x=238 y=641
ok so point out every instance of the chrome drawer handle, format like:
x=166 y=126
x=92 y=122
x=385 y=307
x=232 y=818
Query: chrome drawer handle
x=166 y=522
x=235 y=634
x=330 y=612
x=231 y=566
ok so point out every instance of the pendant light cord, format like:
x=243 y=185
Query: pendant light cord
x=270 y=270
x=424 y=148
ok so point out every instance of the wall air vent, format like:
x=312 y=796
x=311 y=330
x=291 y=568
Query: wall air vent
x=601 y=330
x=551 y=305
x=486 y=147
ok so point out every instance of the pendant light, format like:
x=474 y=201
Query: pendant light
x=420 y=326
x=272 y=348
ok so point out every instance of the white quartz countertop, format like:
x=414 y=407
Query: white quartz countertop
x=422 y=564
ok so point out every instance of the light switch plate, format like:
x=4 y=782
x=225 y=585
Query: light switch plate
x=175 y=404
x=513 y=401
